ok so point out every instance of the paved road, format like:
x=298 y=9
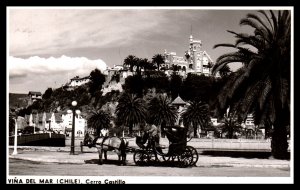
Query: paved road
x=22 y=167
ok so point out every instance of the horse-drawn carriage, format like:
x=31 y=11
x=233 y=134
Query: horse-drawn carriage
x=176 y=153
x=149 y=151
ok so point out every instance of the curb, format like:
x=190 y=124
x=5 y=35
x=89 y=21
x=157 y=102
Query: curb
x=80 y=161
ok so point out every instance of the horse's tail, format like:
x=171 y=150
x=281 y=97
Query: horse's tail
x=123 y=146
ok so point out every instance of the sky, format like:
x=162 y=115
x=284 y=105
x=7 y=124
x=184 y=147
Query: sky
x=48 y=46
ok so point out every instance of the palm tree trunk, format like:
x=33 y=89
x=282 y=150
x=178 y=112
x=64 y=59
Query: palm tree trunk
x=279 y=142
x=230 y=133
x=195 y=130
x=130 y=130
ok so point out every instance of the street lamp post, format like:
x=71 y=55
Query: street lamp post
x=74 y=104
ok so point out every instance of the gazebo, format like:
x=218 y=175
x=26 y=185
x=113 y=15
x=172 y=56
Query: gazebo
x=179 y=102
x=180 y=105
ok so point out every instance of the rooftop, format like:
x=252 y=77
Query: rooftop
x=34 y=93
x=178 y=101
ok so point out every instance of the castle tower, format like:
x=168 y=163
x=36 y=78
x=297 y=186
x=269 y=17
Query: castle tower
x=196 y=54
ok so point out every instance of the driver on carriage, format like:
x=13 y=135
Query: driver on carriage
x=153 y=133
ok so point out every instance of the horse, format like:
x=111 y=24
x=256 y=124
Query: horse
x=104 y=144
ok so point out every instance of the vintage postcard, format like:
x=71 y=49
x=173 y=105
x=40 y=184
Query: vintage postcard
x=120 y=95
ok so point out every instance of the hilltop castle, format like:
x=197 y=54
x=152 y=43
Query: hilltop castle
x=195 y=60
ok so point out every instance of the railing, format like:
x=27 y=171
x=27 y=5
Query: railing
x=23 y=139
x=241 y=144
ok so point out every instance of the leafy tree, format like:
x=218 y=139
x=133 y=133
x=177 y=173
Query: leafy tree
x=196 y=114
x=197 y=87
x=131 y=110
x=134 y=85
x=97 y=79
x=175 y=85
x=159 y=81
x=47 y=93
x=262 y=84
x=12 y=122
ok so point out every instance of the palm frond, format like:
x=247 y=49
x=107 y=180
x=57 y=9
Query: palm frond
x=275 y=24
x=161 y=110
x=196 y=114
x=268 y=19
x=253 y=16
x=224 y=45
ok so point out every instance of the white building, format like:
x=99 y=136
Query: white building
x=77 y=81
x=55 y=123
x=80 y=124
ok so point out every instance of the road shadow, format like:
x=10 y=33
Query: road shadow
x=108 y=162
x=147 y=164
x=176 y=164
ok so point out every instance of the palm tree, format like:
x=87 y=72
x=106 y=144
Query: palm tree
x=262 y=84
x=158 y=59
x=130 y=61
x=161 y=112
x=131 y=110
x=197 y=115
x=147 y=66
x=230 y=124
x=140 y=64
x=99 y=119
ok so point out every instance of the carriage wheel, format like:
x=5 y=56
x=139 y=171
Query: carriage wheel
x=186 y=158
x=140 y=157
x=194 y=154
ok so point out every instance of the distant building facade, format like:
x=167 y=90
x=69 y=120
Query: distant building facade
x=78 y=81
x=195 y=60
x=34 y=96
x=80 y=124
x=60 y=122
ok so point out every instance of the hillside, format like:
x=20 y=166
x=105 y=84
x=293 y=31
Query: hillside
x=17 y=100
